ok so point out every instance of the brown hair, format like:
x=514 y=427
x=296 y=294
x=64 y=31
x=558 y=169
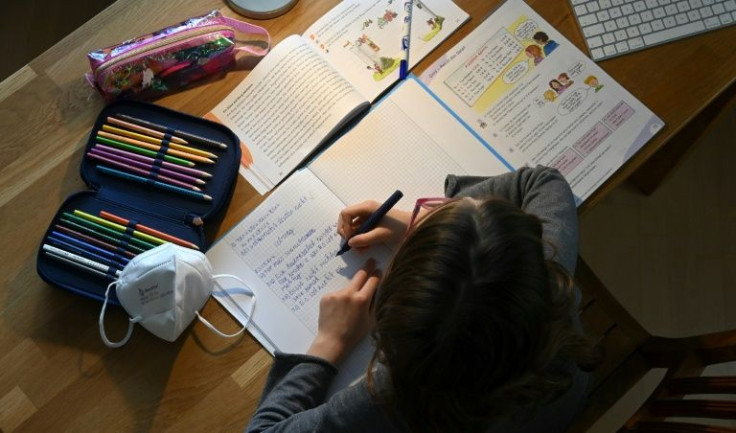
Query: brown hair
x=471 y=321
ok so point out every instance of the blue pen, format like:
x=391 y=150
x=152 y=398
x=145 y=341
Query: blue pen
x=373 y=220
x=147 y=181
x=406 y=40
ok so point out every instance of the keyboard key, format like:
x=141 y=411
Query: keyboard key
x=673 y=32
x=632 y=32
x=615 y=12
x=645 y=28
x=708 y=2
x=712 y=22
x=595 y=29
x=669 y=22
x=670 y=9
x=608 y=38
x=627 y=9
x=622 y=46
x=726 y=19
x=597 y=53
x=580 y=10
x=639 y=6
x=706 y=12
x=730 y=5
x=617 y=2
x=664 y=2
x=609 y=50
x=683 y=6
x=634 y=19
x=622 y=22
x=647 y=16
x=595 y=42
x=693 y=15
x=593 y=7
x=588 y=20
x=577 y=2
x=604 y=4
x=621 y=35
x=657 y=25
x=603 y=16
x=681 y=19
x=659 y=13
x=635 y=43
x=696 y=4
x=718 y=9
x=610 y=26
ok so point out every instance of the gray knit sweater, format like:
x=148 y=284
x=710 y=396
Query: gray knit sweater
x=295 y=396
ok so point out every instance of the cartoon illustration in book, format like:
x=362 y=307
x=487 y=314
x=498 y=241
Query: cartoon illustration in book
x=534 y=52
x=565 y=80
x=592 y=81
x=368 y=51
x=550 y=95
x=557 y=86
x=547 y=44
x=434 y=21
x=387 y=17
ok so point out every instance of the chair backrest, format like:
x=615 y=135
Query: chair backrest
x=629 y=352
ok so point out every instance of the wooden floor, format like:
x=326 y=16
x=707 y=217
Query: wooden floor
x=669 y=258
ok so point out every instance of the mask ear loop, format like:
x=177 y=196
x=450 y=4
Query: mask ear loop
x=103 y=335
x=248 y=316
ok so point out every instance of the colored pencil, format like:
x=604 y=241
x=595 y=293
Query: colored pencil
x=143 y=151
x=86 y=250
x=148 y=166
x=149 y=230
x=155 y=147
x=187 y=135
x=118 y=227
x=94 y=241
x=140 y=137
x=77 y=265
x=151 y=140
x=79 y=259
x=157 y=184
x=117 y=241
x=174 y=167
x=138 y=242
x=139 y=171
x=143 y=130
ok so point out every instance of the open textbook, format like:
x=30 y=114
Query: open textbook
x=310 y=85
x=532 y=95
x=482 y=110
x=285 y=249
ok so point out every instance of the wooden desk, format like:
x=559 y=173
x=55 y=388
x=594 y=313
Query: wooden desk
x=55 y=373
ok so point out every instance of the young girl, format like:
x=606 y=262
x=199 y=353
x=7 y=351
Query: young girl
x=475 y=323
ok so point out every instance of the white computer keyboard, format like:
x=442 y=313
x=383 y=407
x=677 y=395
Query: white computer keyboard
x=615 y=27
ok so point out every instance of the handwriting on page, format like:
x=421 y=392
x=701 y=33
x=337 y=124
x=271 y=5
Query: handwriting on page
x=482 y=69
x=292 y=250
x=303 y=104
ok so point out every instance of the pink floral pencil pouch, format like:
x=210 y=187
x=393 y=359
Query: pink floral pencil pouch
x=164 y=61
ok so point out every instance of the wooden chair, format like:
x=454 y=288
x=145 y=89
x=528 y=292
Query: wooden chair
x=629 y=352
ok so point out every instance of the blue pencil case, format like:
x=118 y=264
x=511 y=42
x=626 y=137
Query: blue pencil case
x=140 y=194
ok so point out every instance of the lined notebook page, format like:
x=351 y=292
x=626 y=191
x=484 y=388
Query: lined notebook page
x=407 y=142
x=286 y=249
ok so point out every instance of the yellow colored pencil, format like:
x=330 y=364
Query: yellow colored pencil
x=143 y=130
x=152 y=140
x=111 y=225
x=155 y=147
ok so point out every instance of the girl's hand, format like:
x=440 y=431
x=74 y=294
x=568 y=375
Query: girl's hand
x=344 y=316
x=389 y=230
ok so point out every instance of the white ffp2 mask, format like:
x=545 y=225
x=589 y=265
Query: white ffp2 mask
x=163 y=289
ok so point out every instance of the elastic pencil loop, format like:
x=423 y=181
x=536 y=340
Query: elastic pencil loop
x=167 y=135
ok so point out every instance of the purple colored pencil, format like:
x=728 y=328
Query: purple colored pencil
x=131 y=155
x=146 y=166
x=138 y=171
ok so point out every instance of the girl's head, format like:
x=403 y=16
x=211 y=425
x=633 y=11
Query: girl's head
x=471 y=321
x=555 y=85
x=533 y=51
